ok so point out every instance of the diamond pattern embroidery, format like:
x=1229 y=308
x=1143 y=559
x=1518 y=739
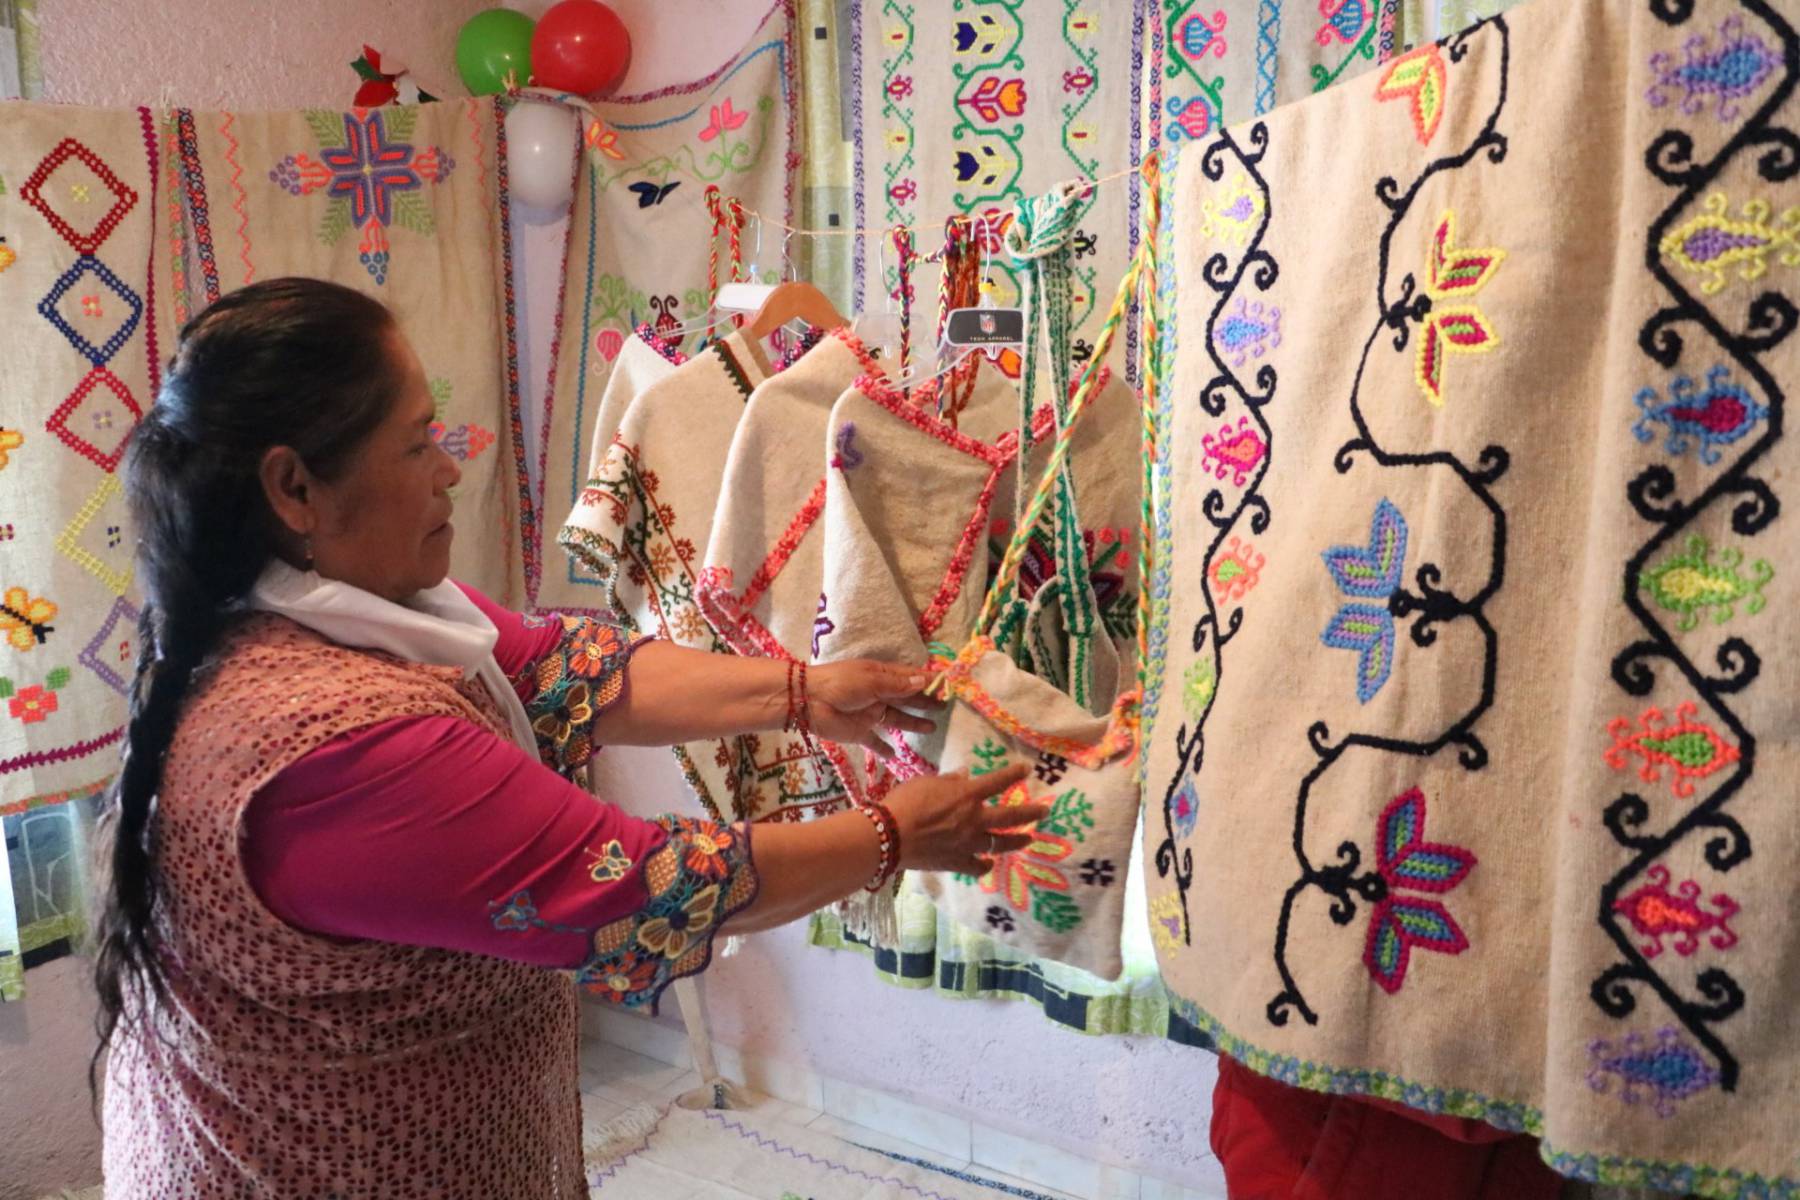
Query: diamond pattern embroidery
x=129 y=313
x=100 y=404
x=102 y=553
x=34 y=192
x=112 y=648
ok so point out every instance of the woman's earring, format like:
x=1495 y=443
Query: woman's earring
x=308 y=551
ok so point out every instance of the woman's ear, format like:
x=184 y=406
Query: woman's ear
x=290 y=489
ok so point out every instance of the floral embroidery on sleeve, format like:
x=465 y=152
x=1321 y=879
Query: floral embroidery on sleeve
x=568 y=689
x=696 y=879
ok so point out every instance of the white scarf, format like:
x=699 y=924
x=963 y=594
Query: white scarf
x=440 y=625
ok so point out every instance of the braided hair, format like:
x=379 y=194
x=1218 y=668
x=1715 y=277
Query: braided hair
x=300 y=363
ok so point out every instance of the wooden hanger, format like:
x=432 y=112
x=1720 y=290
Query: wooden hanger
x=793 y=301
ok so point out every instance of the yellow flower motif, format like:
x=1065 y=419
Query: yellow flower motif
x=673 y=935
x=899 y=139
x=1167 y=926
x=602 y=140
x=10 y=440
x=611 y=864
x=896 y=33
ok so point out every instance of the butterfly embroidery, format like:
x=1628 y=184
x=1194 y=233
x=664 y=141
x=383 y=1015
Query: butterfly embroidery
x=1370 y=572
x=650 y=194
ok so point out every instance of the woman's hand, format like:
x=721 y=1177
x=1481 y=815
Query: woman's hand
x=849 y=701
x=947 y=822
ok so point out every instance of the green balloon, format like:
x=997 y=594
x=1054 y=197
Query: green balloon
x=492 y=45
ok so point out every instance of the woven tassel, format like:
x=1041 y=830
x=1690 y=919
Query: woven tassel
x=872 y=917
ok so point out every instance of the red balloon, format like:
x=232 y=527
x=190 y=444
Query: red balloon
x=580 y=46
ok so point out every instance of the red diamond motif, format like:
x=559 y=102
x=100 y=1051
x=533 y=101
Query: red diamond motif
x=123 y=197
x=59 y=422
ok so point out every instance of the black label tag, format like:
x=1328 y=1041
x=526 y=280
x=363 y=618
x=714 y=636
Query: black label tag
x=985 y=327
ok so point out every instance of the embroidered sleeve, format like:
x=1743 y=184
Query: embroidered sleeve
x=567 y=689
x=698 y=878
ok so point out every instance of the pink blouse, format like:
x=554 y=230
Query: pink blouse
x=431 y=831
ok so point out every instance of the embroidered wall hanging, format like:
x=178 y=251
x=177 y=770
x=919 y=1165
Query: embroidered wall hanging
x=87 y=322
x=1471 y=753
x=400 y=202
x=638 y=253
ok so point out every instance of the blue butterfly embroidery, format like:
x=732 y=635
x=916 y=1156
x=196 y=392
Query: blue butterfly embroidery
x=1370 y=572
x=649 y=194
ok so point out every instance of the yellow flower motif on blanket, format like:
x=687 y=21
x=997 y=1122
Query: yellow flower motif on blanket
x=611 y=864
x=25 y=619
x=671 y=936
x=1018 y=874
x=10 y=440
x=1234 y=215
x=1168 y=928
x=1452 y=273
x=1711 y=242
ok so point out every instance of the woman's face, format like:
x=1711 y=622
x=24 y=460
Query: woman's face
x=384 y=525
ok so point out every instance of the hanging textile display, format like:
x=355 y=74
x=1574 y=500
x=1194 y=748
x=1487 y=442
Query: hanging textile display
x=1496 y=453
x=79 y=266
x=401 y=202
x=1063 y=896
x=638 y=253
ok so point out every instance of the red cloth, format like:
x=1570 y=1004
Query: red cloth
x=428 y=830
x=1277 y=1142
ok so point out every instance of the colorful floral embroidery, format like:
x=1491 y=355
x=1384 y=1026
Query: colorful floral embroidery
x=1690 y=749
x=1691 y=583
x=1184 y=808
x=1452 y=273
x=571 y=686
x=1720 y=414
x=1248 y=331
x=10 y=440
x=1733 y=71
x=1656 y=913
x=611 y=864
x=1168 y=923
x=1195 y=36
x=1370 y=572
x=7 y=256
x=725 y=119
x=1711 y=242
x=1022 y=876
x=32 y=705
x=461 y=442
x=25 y=619
x=371 y=176
x=519 y=913
x=1234 y=216
x=1197 y=685
x=1405 y=862
x=1422 y=80
x=995 y=99
x=1234 y=450
x=1343 y=20
x=1665 y=1070
x=677 y=926
x=1236 y=569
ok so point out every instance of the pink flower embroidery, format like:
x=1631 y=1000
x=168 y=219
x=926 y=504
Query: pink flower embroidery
x=724 y=119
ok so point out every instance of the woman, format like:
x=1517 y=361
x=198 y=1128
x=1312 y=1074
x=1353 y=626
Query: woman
x=340 y=857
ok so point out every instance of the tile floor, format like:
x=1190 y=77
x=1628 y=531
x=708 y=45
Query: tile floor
x=614 y=1078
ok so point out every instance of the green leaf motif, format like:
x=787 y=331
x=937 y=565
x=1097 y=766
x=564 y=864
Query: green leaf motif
x=440 y=396
x=57 y=679
x=327 y=126
x=1070 y=813
x=992 y=755
x=6 y=688
x=336 y=221
x=401 y=121
x=364 y=71
x=1055 y=911
x=412 y=211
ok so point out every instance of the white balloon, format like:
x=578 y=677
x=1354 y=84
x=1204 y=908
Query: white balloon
x=540 y=154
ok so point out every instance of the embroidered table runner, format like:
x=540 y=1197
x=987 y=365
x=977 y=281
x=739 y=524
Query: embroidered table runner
x=400 y=202
x=1471 y=783
x=88 y=325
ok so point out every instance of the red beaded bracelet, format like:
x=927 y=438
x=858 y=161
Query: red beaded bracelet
x=798 y=716
x=887 y=832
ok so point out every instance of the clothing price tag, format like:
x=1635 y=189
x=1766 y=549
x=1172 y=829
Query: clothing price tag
x=985 y=327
